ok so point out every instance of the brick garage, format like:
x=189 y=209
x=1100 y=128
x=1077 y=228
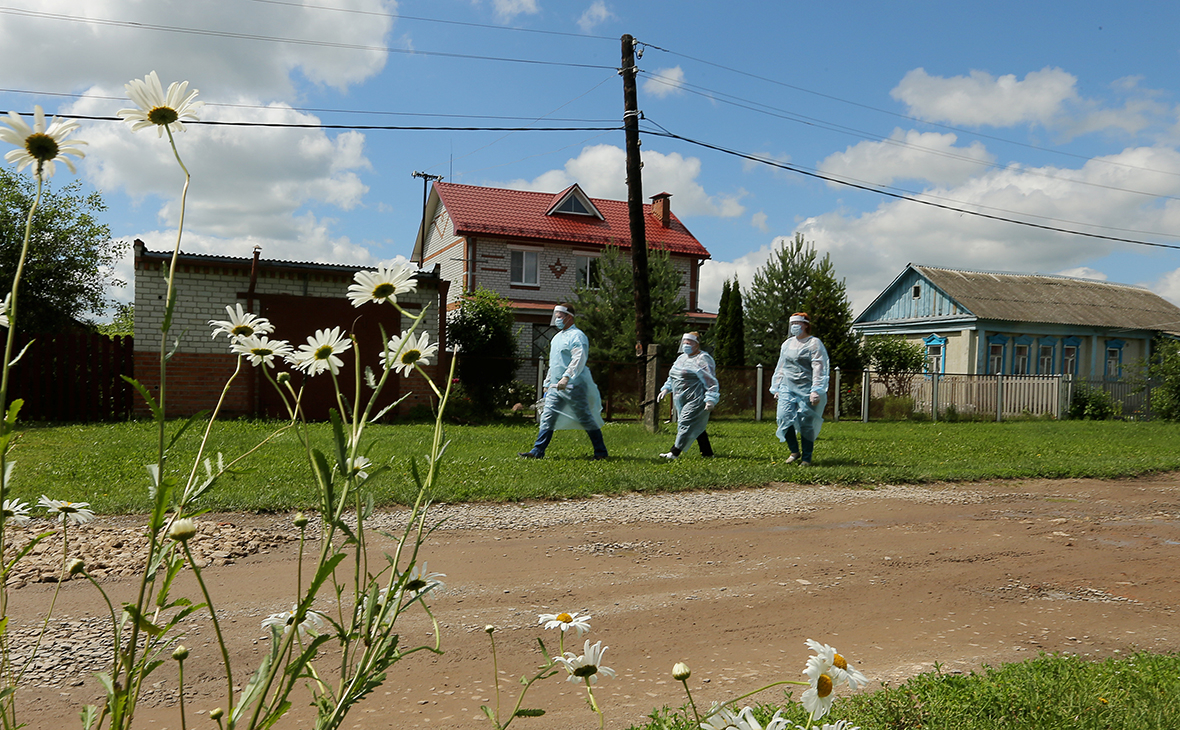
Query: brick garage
x=298 y=297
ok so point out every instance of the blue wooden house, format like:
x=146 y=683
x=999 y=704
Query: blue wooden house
x=976 y=322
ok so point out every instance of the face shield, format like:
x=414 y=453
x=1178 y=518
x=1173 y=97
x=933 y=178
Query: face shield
x=689 y=343
x=556 y=321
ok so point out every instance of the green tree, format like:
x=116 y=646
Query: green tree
x=1165 y=369
x=71 y=255
x=607 y=313
x=482 y=329
x=894 y=360
x=794 y=279
x=123 y=323
x=730 y=336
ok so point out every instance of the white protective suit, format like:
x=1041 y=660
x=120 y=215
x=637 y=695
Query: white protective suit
x=692 y=381
x=579 y=406
x=802 y=370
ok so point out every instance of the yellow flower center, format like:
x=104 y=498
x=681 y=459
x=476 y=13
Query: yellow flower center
x=67 y=507
x=162 y=115
x=383 y=290
x=41 y=146
x=324 y=352
x=840 y=662
x=409 y=357
x=823 y=685
x=565 y=618
x=242 y=330
x=263 y=351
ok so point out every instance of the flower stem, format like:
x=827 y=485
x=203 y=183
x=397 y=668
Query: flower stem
x=692 y=703
x=229 y=673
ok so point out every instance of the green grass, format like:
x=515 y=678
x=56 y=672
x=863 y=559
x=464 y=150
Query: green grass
x=1139 y=692
x=104 y=464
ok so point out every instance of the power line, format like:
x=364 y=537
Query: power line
x=899 y=115
x=813 y=122
x=900 y=196
x=293 y=41
x=397 y=16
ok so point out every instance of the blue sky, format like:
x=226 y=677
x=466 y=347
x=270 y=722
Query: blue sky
x=1062 y=114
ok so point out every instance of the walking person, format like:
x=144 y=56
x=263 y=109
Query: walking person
x=800 y=384
x=692 y=381
x=572 y=400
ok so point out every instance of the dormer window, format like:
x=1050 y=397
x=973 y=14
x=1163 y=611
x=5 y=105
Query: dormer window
x=572 y=201
x=572 y=205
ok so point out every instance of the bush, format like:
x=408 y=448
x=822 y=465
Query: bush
x=1165 y=368
x=1092 y=404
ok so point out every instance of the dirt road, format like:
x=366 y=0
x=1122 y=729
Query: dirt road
x=731 y=583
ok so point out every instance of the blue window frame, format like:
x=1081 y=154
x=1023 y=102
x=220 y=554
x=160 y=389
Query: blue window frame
x=1071 y=348
x=1046 y=356
x=997 y=351
x=935 y=354
x=1022 y=355
x=1114 y=359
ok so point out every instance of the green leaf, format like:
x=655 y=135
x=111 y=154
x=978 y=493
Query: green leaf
x=527 y=712
x=188 y=422
x=339 y=440
x=141 y=621
x=254 y=688
x=169 y=309
x=89 y=715
x=13 y=409
x=157 y=413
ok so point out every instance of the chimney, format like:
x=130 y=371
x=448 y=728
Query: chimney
x=661 y=208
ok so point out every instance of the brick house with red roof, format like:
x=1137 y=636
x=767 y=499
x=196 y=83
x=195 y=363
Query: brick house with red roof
x=535 y=248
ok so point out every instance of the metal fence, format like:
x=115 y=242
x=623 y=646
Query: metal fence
x=73 y=377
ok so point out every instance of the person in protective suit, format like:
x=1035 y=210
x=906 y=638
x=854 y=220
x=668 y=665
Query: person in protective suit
x=572 y=400
x=692 y=381
x=800 y=384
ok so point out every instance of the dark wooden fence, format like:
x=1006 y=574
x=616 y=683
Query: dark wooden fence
x=73 y=377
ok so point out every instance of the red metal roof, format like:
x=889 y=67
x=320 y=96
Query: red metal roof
x=520 y=214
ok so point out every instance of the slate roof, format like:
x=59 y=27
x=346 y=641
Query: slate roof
x=1056 y=299
x=521 y=215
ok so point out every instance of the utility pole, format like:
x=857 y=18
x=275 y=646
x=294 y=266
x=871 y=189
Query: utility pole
x=635 y=200
x=643 y=328
x=426 y=180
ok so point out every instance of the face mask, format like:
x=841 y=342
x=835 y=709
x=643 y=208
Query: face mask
x=796 y=330
x=686 y=349
x=559 y=323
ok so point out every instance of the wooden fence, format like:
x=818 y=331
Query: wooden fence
x=73 y=377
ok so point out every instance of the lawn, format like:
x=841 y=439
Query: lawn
x=104 y=464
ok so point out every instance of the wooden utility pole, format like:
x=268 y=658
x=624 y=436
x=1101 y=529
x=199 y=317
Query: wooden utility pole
x=426 y=180
x=643 y=328
x=635 y=200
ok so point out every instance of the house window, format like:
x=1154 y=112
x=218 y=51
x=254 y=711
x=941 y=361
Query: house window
x=995 y=359
x=934 y=358
x=1045 y=360
x=1114 y=358
x=523 y=267
x=916 y=292
x=1069 y=360
x=572 y=205
x=587 y=272
x=1020 y=360
x=542 y=336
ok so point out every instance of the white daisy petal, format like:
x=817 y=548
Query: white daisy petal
x=565 y=622
x=404 y=351
x=382 y=285
x=240 y=324
x=74 y=512
x=320 y=352
x=157 y=109
x=260 y=349
x=588 y=666
x=39 y=145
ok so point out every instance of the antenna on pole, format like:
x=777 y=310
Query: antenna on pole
x=426 y=180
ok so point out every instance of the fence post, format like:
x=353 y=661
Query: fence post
x=934 y=396
x=836 y=402
x=758 y=395
x=999 y=397
x=540 y=388
x=866 y=389
x=651 y=410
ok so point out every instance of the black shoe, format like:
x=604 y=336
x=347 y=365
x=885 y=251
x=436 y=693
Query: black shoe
x=528 y=455
x=600 y=457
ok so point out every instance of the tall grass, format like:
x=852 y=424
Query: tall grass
x=104 y=464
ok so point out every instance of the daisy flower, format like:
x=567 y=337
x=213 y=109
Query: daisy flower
x=841 y=725
x=76 y=512
x=240 y=324
x=16 y=512
x=836 y=666
x=40 y=145
x=4 y=310
x=588 y=666
x=403 y=352
x=422 y=581
x=312 y=624
x=565 y=622
x=356 y=467
x=817 y=699
x=743 y=720
x=157 y=109
x=260 y=349
x=382 y=285
x=319 y=354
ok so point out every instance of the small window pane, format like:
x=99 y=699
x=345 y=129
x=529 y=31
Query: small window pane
x=1020 y=360
x=522 y=267
x=1045 y=361
x=1112 y=362
x=995 y=359
x=1069 y=360
x=934 y=358
x=587 y=272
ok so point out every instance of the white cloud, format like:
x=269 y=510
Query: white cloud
x=506 y=10
x=90 y=53
x=595 y=15
x=909 y=155
x=1082 y=272
x=758 y=220
x=601 y=171
x=870 y=249
x=1168 y=287
x=664 y=82
x=981 y=99
x=714 y=274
